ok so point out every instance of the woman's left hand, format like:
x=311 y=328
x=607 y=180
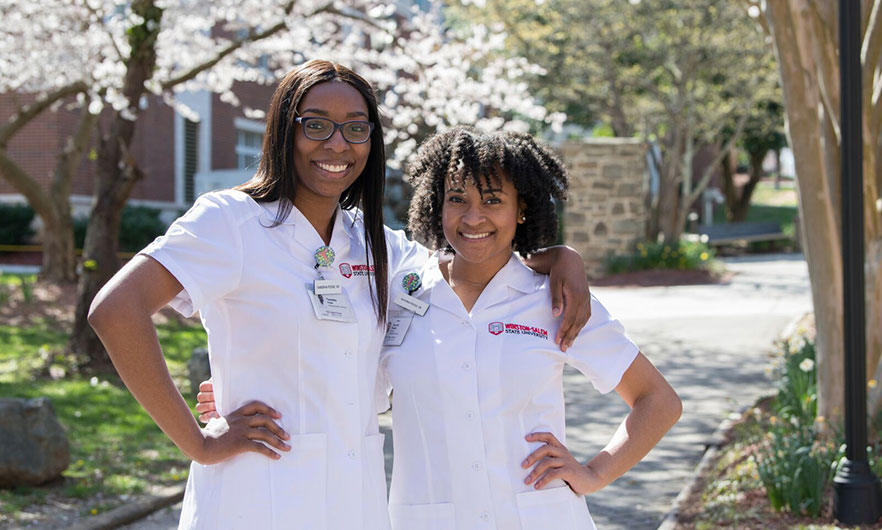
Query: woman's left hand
x=556 y=462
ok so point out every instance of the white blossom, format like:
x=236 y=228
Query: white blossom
x=428 y=77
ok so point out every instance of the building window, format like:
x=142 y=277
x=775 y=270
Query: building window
x=191 y=159
x=248 y=143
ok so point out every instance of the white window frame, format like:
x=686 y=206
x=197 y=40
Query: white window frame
x=249 y=126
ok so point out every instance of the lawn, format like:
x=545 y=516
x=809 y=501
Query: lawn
x=116 y=449
x=770 y=205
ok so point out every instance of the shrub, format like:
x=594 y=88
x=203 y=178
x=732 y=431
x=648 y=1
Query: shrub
x=793 y=464
x=795 y=469
x=15 y=224
x=686 y=255
x=139 y=226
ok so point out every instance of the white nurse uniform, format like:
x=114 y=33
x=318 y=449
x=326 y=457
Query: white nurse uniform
x=469 y=386
x=248 y=282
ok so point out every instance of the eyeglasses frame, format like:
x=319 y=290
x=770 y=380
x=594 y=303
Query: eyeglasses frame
x=337 y=126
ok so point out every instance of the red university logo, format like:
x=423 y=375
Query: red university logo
x=496 y=328
x=345 y=270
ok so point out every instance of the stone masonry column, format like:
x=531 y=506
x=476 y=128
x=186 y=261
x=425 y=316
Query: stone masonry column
x=606 y=213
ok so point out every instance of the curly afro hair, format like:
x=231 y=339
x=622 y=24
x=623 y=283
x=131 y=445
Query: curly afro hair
x=470 y=156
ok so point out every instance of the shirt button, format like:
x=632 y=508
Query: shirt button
x=476 y=466
x=348 y=354
x=351 y=454
x=470 y=415
x=466 y=324
x=485 y=516
x=466 y=366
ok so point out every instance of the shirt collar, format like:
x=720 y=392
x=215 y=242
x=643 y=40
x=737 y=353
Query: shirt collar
x=341 y=235
x=514 y=275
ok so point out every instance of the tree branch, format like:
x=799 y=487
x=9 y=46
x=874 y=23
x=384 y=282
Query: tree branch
x=708 y=172
x=25 y=184
x=72 y=155
x=253 y=36
x=99 y=19
x=28 y=112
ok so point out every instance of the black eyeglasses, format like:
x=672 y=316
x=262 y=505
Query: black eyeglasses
x=354 y=132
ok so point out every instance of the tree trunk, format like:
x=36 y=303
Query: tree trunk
x=59 y=256
x=777 y=169
x=730 y=192
x=116 y=176
x=802 y=52
x=740 y=202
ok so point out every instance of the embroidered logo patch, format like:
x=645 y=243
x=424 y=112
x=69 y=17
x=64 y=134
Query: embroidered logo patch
x=497 y=328
x=348 y=271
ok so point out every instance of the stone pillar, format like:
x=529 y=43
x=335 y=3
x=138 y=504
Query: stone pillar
x=606 y=213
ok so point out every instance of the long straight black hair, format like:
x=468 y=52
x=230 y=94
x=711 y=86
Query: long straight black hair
x=276 y=178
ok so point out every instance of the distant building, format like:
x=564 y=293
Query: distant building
x=180 y=158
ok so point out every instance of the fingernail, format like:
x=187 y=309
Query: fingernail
x=527 y=480
x=287 y=447
x=286 y=436
x=555 y=311
x=524 y=463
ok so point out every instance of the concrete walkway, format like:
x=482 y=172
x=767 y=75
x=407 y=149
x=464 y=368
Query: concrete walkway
x=712 y=342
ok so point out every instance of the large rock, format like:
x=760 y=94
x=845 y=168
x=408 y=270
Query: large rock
x=198 y=368
x=33 y=446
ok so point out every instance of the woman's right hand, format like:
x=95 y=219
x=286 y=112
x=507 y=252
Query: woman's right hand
x=250 y=428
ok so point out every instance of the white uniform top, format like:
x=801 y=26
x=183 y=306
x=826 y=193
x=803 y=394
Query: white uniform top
x=469 y=387
x=248 y=283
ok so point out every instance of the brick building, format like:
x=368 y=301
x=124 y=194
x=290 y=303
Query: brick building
x=180 y=158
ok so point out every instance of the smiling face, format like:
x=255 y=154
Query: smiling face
x=480 y=225
x=326 y=168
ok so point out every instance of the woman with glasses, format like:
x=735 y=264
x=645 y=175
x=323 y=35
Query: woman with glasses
x=291 y=282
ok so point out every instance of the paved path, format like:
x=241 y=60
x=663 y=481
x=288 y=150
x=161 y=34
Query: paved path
x=712 y=342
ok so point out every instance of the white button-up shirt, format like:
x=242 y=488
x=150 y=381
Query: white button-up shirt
x=469 y=386
x=248 y=282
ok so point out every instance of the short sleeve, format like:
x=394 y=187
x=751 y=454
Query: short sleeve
x=403 y=252
x=203 y=250
x=602 y=351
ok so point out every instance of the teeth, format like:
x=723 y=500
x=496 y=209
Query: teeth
x=332 y=168
x=475 y=236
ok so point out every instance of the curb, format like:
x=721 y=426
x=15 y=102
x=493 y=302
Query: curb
x=708 y=461
x=712 y=450
x=133 y=511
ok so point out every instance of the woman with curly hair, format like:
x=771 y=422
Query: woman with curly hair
x=478 y=412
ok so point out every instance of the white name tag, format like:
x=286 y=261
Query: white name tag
x=396 y=329
x=324 y=287
x=331 y=306
x=411 y=303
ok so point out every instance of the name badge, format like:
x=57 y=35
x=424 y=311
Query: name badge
x=411 y=303
x=396 y=329
x=325 y=287
x=334 y=307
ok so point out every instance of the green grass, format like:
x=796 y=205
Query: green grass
x=16 y=282
x=116 y=449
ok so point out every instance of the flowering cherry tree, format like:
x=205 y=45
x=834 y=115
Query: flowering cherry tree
x=105 y=56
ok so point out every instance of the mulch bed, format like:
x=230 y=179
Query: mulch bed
x=662 y=278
